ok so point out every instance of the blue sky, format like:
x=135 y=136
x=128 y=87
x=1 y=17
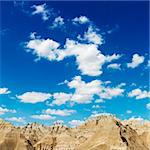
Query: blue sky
x=73 y=60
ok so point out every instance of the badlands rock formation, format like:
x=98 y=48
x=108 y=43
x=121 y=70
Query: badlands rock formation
x=100 y=133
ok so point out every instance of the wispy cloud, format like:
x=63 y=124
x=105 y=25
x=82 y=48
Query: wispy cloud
x=148 y=106
x=114 y=66
x=41 y=10
x=58 y=22
x=92 y=36
x=43 y=117
x=4 y=90
x=15 y=119
x=4 y=110
x=129 y=111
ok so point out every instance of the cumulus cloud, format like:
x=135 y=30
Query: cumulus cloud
x=4 y=110
x=84 y=92
x=136 y=61
x=114 y=66
x=58 y=22
x=59 y=112
x=61 y=98
x=80 y=20
x=43 y=48
x=4 y=91
x=41 y=10
x=15 y=119
x=75 y=123
x=43 y=117
x=88 y=57
x=33 y=97
x=139 y=94
x=89 y=62
x=111 y=92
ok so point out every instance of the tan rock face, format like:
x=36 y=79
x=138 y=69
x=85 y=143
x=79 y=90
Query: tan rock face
x=100 y=133
x=12 y=139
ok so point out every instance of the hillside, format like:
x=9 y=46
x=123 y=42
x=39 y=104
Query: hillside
x=99 y=133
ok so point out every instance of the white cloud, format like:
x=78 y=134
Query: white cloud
x=84 y=88
x=15 y=119
x=43 y=48
x=109 y=93
x=95 y=106
x=139 y=94
x=59 y=112
x=43 y=117
x=59 y=122
x=99 y=101
x=4 y=91
x=89 y=62
x=81 y=20
x=139 y=119
x=62 y=83
x=113 y=57
x=95 y=114
x=61 y=98
x=136 y=61
x=4 y=110
x=114 y=66
x=58 y=22
x=121 y=85
x=148 y=106
x=34 y=36
x=42 y=10
x=128 y=111
x=84 y=92
x=133 y=84
x=148 y=64
x=92 y=36
x=113 y=29
x=75 y=123
x=82 y=98
x=33 y=97
x=107 y=82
